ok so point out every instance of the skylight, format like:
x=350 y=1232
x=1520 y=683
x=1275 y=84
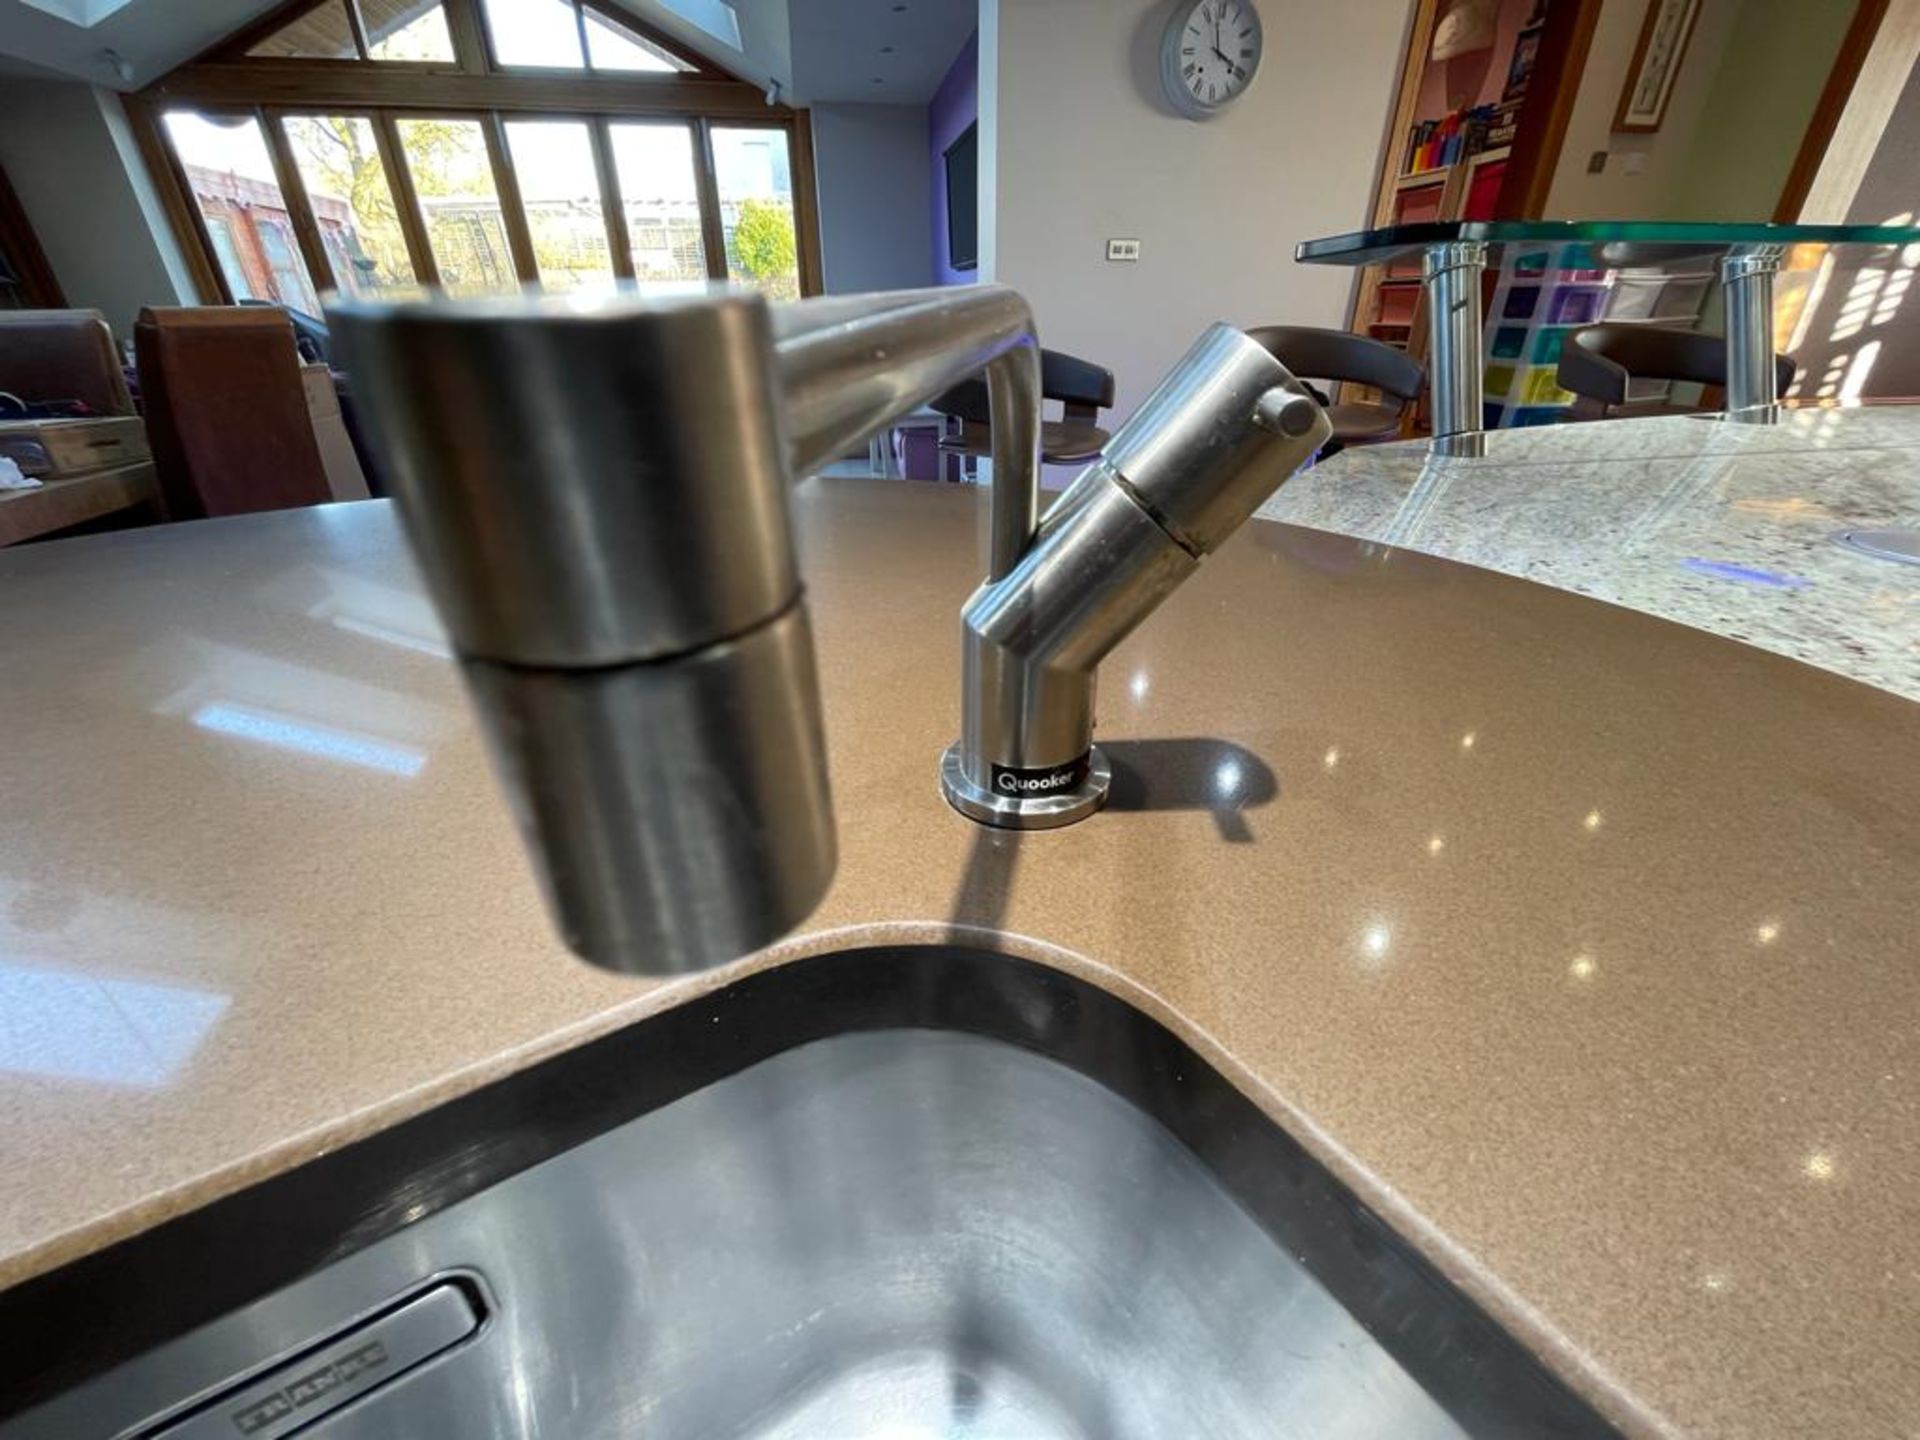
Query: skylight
x=716 y=17
x=86 y=13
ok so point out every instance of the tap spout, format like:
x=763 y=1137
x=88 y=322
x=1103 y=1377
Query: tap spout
x=848 y=365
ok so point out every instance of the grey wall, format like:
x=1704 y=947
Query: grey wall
x=1746 y=88
x=150 y=36
x=1078 y=145
x=870 y=162
x=1769 y=80
x=1644 y=175
x=67 y=149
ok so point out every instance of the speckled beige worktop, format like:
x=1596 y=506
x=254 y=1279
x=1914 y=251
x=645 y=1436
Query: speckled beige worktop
x=1583 y=945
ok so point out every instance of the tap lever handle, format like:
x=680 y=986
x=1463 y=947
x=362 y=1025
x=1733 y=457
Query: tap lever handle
x=1218 y=435
x=1286 y=413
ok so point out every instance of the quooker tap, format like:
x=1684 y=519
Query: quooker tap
x=596 y=492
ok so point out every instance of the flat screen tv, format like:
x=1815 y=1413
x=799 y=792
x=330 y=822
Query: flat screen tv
x=963 y=200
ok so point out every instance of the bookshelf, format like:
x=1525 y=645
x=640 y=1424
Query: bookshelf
x=1449 y=151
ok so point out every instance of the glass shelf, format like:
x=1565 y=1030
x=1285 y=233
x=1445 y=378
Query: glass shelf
x=1393 y=242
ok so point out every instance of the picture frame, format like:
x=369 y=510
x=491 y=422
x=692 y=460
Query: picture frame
x=1655 y=66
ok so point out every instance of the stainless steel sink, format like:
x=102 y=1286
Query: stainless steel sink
x=890 y=1232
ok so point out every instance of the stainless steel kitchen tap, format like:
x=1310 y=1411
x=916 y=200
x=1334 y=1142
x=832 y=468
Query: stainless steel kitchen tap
x=1219 y=435
x=595 y=490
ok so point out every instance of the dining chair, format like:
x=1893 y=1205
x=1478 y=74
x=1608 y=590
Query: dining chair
x=226 y=412
x=49 y=356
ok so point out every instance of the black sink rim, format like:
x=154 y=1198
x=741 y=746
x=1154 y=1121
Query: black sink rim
x=83 y=1319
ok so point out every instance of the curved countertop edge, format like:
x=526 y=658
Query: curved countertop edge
x=1561 y=1355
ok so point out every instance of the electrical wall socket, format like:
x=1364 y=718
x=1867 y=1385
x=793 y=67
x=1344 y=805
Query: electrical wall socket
x=1123 y=249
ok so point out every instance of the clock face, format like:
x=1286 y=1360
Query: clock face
x=1209 y=54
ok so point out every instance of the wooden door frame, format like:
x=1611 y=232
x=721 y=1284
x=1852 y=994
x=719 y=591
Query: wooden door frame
x=1540 y=129
x=1855 y=48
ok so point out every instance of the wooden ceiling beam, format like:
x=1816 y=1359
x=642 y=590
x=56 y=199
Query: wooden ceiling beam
x=335 y=84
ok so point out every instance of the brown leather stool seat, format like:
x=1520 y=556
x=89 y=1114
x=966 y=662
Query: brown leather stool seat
x=1082 y=388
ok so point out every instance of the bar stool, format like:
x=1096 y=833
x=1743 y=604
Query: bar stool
x=1082 y=388
x=1340 y=356
x=1599 y=362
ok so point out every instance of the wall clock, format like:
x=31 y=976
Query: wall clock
x=1208 y=55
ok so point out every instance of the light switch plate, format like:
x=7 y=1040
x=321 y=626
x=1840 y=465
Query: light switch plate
x=1123 y=249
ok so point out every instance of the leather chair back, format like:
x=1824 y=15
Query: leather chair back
x=1597 y=361
x=1312 y=353
x=1082 y=388
x=226 y=414
x=62 y=355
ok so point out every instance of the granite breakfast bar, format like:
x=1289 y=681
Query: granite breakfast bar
x=1731 y=528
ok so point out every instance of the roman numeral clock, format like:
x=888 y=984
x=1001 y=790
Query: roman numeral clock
x=1208 y=55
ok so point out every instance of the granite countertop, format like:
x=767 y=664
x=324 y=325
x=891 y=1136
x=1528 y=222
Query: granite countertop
x=1578 y=943
x=1723 y=526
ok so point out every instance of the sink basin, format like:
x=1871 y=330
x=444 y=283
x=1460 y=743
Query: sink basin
x=939 y=1194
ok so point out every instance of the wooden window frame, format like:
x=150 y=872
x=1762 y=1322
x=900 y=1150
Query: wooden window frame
x=386 y=140
x=805 y=217
x=225 y=80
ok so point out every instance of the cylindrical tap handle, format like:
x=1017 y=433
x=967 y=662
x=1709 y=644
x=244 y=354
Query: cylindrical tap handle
x=1216 y=438
x=596 y=491
x=586 y=482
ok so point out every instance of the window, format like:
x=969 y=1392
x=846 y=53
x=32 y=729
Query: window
x=453 y=176
x=394 y=30
x=323 y=33
x=221 y=233
x=612 y=46
x=560 y=189
x=406 y=30
x=231 y=176
x=283 y=263
x=476 y=145
x=548 y=34
x=654 y=167
x=754 y=174
x=338 y=158
x=535 y=32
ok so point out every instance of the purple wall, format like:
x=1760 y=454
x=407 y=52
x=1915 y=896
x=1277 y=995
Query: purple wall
x=955 y=105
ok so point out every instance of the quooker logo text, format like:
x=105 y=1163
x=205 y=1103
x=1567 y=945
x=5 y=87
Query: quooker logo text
x=1016 y=785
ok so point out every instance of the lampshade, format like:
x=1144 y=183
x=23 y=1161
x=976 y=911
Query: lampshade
x=1467 y=26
